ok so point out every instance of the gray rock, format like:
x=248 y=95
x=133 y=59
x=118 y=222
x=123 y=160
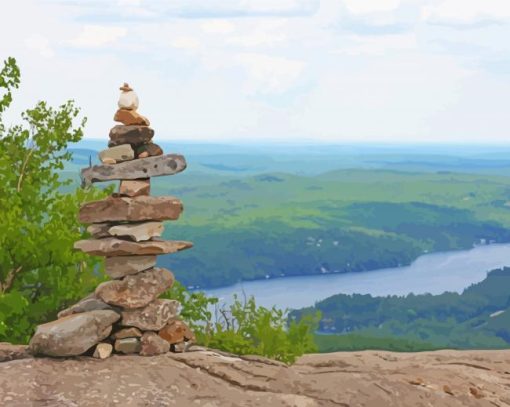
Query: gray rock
x=121 y=266
x=137 y=209
x=127 y=345
x=133 y=134
x=168 y=164
x=90 y=303
x=152 y=344
x=74 y=334
x=123 y=152
x=136 y=291
x=112 y=246
x=153 y=317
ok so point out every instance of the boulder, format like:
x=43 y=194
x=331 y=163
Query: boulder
x=74 y=334
x=153 y=317
x=148 y=150
x=136 y=209
x=128 y=333
x=138 y=231
x=134 y=135
x=152 y=344
x=120 y=153
x=127 y=345
x=136 y=291
x=168 y=164
x=176 y=331
x=103 y=350
x=90 y=303
x=130 y=117
x=121 y=266
x=135 y=187
x=112 y=246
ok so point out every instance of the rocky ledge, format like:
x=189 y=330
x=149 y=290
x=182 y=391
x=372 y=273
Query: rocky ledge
x=209 y=378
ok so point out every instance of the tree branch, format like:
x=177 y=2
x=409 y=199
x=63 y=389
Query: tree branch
x=9 y=280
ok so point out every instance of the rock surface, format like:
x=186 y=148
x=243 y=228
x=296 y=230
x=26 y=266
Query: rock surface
x=139 y=208
x=112 y=246
x=135 y=187
x=136 y=291
x=152 y=344
x=8 y=351
x=72 y=335
x=120 y=153
x=209 y=378
x=121 y=266
x=134 y=135
x=169 y=164
x=153 y=317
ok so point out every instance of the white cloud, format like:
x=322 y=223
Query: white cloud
x=40 y=44
x=220 y=26
x=98 y=36
x=467 y=11
x=189 y=43
x=370 y=6
x=269 y=74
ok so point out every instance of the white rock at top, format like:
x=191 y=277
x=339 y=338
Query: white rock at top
x=128 y=100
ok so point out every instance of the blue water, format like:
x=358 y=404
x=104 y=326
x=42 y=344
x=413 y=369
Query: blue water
x=430 y=273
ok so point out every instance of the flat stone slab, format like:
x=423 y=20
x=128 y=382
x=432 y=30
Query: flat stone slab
x=72 y=335
x=136 y=291
x=157 y=166
x=135 y=231
x=121 y=266
x=112 y=246
x=136 y=209
x=153 y=317
x=133 y=134
x=90 y=303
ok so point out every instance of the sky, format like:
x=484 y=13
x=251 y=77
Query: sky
x=272 y=70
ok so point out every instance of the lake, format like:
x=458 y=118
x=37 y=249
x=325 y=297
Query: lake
x=430 y=273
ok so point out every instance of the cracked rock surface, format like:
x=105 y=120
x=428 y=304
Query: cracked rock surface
x=210 y=378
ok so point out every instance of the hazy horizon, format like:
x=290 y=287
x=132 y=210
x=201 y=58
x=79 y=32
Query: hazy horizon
x=329 y=71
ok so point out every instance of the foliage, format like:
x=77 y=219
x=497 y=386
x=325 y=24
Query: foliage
x=39 y=271
x=245 y=328
x=479 y=317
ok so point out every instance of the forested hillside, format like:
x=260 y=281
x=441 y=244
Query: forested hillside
x=479 y=317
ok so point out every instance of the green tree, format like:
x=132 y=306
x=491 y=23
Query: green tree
x=39 y=271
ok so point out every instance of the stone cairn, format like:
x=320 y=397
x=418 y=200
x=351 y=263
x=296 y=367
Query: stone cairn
x=125 y=314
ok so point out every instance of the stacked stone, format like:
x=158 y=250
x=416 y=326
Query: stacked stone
x=125 y=314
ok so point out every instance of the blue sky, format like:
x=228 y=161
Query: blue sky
x=286 y=70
